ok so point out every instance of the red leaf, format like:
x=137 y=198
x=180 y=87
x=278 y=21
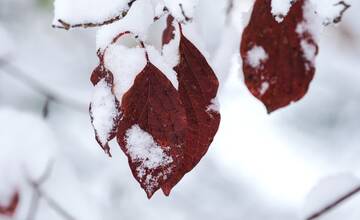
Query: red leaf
x=276 y=68
x=101 y=73
x=9 y=209
x=152 y=130
x=198 y=87
x=168 y=33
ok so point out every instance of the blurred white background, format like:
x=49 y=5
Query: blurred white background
x=259 y=167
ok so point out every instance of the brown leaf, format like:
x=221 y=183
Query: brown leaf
x=198 y=86
x=9 y=209
x=152 y=110
x=276 y=66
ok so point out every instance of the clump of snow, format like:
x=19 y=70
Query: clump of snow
x=264 y=87
x=88 y=11
x=159 y=61
x=280 y=8
x=142 y=148
x=255 y=56
x=181 y=8
x=329 y=190
x=309 y=51
x=170 y=51
x=125 y=64
x=137 y=21
x=103 y=111
x=328 y=10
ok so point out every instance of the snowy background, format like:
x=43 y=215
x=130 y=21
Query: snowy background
x=259 y=167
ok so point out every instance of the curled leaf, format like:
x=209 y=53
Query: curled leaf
x=278 y=58
x=104 y=108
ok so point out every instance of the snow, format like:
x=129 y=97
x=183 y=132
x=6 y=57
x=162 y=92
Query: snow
x=103 y=111
x=309 y=51
x=264 y=87
x=125 y=64
x=87 y=11
x=214 y=106
x=280 y=8
x=328 y=10
x=176 y=11
x=255 y=56
x=142 y=148
x=6 y=45
x=329 y=190
x=159 y=61
x=137 y=21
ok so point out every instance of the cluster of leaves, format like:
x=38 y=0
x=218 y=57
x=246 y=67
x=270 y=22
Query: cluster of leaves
x=278 y=54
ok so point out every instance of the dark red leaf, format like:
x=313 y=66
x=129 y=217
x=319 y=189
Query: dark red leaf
x=152 y=106
x=101 y=73
x=168 y=33
x=284 y=75
x=198 y=86
x=9 y=209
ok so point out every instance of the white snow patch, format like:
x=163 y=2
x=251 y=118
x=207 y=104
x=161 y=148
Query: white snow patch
x=103 y=110
x=280 y=8
x=329 y=190
x=214 y=105
x=309 y=51
x=188 y=7
x=125 y=64
x=159 y=61
x=137 y=21
x=264 y=87
x=255 y=56
x=142 y=148
x=87 y=11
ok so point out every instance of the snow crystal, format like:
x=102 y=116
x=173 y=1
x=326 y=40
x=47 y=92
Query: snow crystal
x=87 y=11
x=256 y=55
x=264 y=87
x=142 y=148
x=125 y=64
x=280 y=8
x=329 y=190
x=137 y=21
x=103 y=110
x=159 y=61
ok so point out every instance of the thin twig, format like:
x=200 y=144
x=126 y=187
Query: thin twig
x=338 y=18
x=37 y=86
x=334 y=204
x=67 y=26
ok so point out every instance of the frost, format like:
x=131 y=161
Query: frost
x=87 y=11
x=187 y=8
x=280 y=8
x=103 y=110
x=142 y=148
x=256 y=55
x=309 y=51
x=125 y=64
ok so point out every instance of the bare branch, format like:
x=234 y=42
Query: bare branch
x=37 y=86
x=338 y=18
x=67 y=26
x=334 y=204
